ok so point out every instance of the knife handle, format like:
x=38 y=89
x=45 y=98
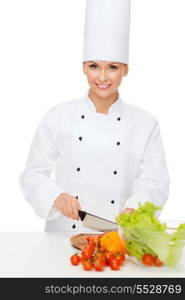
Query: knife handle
x=82 y=214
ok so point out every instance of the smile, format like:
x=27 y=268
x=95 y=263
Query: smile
x=103 y=86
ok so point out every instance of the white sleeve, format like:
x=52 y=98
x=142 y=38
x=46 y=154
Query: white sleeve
x=39 y=189
x=152 y=183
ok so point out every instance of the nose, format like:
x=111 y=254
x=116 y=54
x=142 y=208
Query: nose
x=103 y=75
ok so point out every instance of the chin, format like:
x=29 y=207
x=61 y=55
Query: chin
x=103 y=94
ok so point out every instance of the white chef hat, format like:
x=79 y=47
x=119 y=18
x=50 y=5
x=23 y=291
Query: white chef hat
x=107 y=27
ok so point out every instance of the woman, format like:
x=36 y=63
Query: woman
x=104 y=79
x=107 y=155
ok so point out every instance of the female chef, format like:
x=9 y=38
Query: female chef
x=107 y=155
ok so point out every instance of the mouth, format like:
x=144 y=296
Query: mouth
x=103 y=87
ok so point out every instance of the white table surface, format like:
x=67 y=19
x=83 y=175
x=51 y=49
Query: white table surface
x=46 y=254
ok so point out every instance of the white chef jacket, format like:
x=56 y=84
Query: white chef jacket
x=108 y=161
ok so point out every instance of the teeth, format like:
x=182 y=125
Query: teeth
x=103 y=86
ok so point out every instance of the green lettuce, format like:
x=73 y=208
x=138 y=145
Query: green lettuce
x=176 y=245
x=144 y=233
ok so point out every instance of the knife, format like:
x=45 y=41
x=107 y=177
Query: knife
x=97 y=223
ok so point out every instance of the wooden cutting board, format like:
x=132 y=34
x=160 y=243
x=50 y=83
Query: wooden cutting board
x=78 y=241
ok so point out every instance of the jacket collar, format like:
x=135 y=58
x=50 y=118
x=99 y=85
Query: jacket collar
x=113 y=109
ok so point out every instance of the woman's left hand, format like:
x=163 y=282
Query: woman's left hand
x=127 y=210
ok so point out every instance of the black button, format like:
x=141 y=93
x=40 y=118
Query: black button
x=80 y=138
x=74 y=226
x=112 y=201
x=78 y=169
x=119 y=119
x=118 y=143
x=115 y=172
x=76 y=197
x=82 y=116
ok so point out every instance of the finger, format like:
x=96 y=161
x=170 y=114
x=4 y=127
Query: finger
x=69 y=209
x=75 y=207
x=130 y=210
x=72 y=206
x=58 y=203
x=62 y=208
x=127 y=210
x=78 y=207
x=73 y=216
x=65 y=207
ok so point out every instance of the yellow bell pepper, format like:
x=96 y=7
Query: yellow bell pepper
x=111 y=241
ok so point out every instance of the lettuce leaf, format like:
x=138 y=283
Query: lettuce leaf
x=144 y=233
x=176 y=246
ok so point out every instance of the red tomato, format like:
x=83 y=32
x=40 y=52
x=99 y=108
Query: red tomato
x=120 y=258
x=75 y=259
x=157 y=262
x=99 y=265
x=87 y=265
x=100 y=256
x=115 y=264
x=102 y=249
x=108 y=257
x=93 y=240
x=148 y=259
x=87 y=252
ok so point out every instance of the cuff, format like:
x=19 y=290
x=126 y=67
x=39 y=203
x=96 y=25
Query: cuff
x=44 y=200
x=53 y=214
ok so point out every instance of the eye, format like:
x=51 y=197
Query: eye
x=113 y=67
x=93 y=66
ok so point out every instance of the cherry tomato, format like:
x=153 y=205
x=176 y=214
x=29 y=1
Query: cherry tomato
x=120 y=258
x=87 y=265
x=75 y=259
x=93 y=241
x=157 y=262
x=87 y=252
x=100 y=256
x=108 y=257
x=102 y=249
x=148 y=259
x=99 y=265
x=115 y=264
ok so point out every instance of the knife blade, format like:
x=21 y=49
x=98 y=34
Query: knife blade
x=97 y=223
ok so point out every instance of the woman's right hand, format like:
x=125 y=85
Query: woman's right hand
x=68 y=205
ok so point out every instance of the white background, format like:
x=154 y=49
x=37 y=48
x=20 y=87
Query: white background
x=41 y=44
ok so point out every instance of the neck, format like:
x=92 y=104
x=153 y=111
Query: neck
x=103 y=104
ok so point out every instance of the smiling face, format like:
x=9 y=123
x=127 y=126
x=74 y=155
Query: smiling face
x=104 y=77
